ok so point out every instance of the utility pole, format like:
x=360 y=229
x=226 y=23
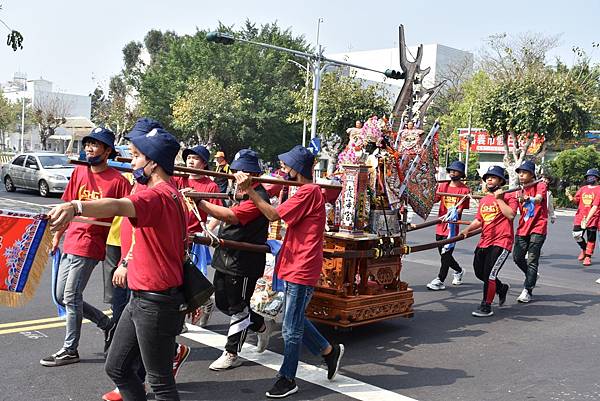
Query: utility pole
x=468 y=151
x=22 y=121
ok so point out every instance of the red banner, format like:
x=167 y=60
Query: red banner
x=482 y=142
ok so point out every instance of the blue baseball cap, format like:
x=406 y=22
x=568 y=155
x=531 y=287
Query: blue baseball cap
x=101 y=134
x=457 y=166
x=246 y=160
x=300 y=159
x=496 y=171
x=142 y=126
x=198 y=151
x=527 y=165
x=158 y=145
x=593 y=172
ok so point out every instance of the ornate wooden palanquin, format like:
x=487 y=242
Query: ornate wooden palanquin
x=359 y=290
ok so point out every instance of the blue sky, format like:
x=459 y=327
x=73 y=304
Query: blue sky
x=71 y=42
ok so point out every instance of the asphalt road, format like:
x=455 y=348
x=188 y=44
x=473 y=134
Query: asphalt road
x=545 y=350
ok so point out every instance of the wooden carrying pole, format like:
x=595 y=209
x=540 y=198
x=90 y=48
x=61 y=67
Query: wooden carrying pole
x=262 y=180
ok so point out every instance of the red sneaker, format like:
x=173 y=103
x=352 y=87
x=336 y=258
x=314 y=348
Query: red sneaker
x=183 y=351
x=581 y=256
x=587 y=261
x=114 y=395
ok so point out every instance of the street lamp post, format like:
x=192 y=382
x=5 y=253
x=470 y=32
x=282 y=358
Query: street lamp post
x=318 y=64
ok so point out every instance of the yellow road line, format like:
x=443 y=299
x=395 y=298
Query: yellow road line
x=32 y=328
x=30 y=323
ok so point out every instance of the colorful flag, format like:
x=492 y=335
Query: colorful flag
x=25 y=242
x=421 y=183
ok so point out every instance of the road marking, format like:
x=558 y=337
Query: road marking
x=34 y=335
x=31 y=203
x=343 y=384
x=51 y=322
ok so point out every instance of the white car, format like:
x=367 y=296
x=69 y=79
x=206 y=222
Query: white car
x=46 y=172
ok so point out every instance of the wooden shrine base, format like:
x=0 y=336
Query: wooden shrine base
x=358 y=310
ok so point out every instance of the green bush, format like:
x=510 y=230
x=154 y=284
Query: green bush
x=568 y=170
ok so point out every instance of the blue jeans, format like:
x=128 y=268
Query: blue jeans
x=297 y=329
x=73 y=275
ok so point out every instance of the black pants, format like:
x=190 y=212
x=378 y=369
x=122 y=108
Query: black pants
x=487 y=264
x=447 y=260
x=586 y=246
x=147 y=329
x=530 y=245
x=232 y=297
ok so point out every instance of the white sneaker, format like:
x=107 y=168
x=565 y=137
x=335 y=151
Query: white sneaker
x=436 y=285
x=458 y=277
x=207 y=310
x=525 y=297
x=226 y=361
x=263 y=337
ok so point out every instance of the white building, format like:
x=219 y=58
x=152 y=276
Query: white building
x=439 y=57
x=39 y=91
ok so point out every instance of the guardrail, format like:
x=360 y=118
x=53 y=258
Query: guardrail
x=6 y=158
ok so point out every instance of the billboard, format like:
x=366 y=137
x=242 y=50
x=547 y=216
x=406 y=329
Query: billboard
x=482 y=142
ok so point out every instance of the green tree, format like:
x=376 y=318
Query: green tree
x=265 y=78
x=7 y=117
x=49 y=113
x=14 y=38
x=342 y=101
x=210 y=113
x=570 y=166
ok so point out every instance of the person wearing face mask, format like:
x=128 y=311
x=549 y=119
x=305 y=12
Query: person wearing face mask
x=238 y=271
x=84 y=244
x=299 y=265
x=585 y=222
x=153 y=238
x=495 y=217
x=533 y=225
x=456 y=170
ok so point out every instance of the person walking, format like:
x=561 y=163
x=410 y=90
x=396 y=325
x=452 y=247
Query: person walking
x=454 y=205
x=299 y=265
x=585 y=198
x=154 y=272
x=237 y=271
x=85 y=244
x=495 y=217
x=222 y=167
x=532 y=229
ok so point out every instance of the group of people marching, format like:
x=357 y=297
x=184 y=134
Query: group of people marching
x=495 y=215
x=144 y=251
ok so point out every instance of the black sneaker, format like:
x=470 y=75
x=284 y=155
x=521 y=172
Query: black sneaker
x=109 y=333
x=333 y=360
x=282 y=388
x=502 y=294
x=62 y=357
x=484 y=310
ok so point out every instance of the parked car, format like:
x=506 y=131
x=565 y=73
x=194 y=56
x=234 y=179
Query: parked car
x=46 y=172
x=121 y=151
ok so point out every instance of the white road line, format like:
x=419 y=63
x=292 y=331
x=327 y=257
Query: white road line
x=30 y=203
x=342 y=384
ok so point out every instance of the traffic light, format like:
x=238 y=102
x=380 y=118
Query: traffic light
x=394 y=74
x=220 y=37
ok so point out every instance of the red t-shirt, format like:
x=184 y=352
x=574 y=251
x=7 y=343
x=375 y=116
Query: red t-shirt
x=301 y=255
x=203 y=184
x=538 y=223
x=247 y=211
x=446 y=202
x=88 y=240
x=586 y=197
x=497 y=229
x=157 y=258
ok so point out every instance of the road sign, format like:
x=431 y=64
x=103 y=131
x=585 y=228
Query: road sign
x=315 y=145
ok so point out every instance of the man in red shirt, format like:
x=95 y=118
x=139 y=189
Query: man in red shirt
x=237 y=271
x=85 y=244
x=495 y=216
x=154 y=273
x=585 y=198
x=533 y=224
x=197 y=158
x=456 y=170
x=299 y=264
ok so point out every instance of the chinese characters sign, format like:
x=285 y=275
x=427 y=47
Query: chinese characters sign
x=482 y=142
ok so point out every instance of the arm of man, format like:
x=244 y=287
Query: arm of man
x=62 y=214
x=475 y=224
x=509 y=211
x=244 y=182
x=218 y=212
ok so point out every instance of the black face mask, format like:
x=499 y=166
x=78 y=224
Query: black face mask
x=455 y=177
x=288 y=177
x=492 y=189
x=591 y=180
